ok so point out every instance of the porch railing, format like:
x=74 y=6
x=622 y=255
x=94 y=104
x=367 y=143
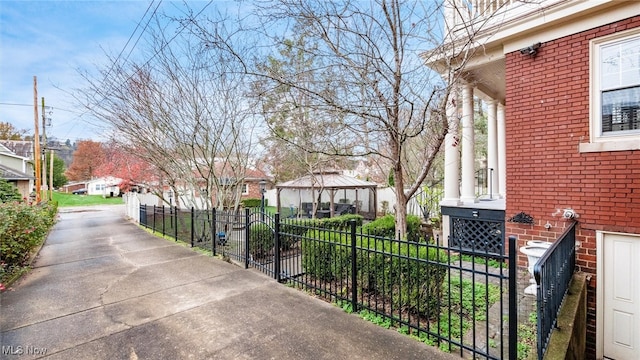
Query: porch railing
x=553 y=273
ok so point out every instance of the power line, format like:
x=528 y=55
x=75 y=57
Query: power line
x=163 y=46
x=132 y=34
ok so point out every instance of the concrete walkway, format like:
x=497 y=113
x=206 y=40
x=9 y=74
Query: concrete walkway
x=102 y=288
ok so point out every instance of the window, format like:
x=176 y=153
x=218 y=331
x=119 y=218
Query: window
x=615 y=93
x=245 y=189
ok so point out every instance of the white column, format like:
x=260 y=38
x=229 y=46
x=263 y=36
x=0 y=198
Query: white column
x=452 y=154
x=468 y=143
x=492 y=149
x=502 y=152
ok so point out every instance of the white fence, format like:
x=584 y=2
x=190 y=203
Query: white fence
x=386 y=202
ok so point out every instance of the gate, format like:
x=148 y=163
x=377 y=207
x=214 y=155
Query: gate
x=476 y=231
x=262 y=242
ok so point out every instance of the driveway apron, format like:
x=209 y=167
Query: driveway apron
x=103 y=288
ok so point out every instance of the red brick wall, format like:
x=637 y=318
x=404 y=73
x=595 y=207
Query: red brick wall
x=547 y=117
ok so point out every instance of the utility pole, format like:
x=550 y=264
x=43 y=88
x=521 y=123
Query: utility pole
x=36 y=138
x=44 y=151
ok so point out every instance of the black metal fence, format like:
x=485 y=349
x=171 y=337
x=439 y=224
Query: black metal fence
x=553 y=273
x=459 y=303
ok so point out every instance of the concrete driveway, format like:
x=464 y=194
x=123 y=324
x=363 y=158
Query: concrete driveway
x=102 y=288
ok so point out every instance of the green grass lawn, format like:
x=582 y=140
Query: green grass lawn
x=64 y=199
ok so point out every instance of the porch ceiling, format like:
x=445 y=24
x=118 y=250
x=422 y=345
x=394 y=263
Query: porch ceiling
x=488 y=79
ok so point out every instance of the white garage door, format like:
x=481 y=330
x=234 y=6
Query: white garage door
x=621 y=296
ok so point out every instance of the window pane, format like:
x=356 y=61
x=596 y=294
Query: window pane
x=621 y=110
x=630 y=62
x=610 y=63
x=620 y=64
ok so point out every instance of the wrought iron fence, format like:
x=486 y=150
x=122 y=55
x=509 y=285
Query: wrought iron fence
x=458 y=302
x=553 y=273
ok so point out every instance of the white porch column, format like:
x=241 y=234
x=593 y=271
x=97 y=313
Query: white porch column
x=452 y=154
x=502 y=151
x=492 y=149
x=468 y=153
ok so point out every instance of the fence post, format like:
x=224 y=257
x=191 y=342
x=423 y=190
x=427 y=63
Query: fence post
x=175 y=224
x=246 y=238
x=214 y=233
x=354 y=275
x=277 y=246
x=154 y=218
x=513 y=305
x=163 y=221
x=193 y=224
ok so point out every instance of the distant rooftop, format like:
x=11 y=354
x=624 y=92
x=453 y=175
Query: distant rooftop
x=19 y=147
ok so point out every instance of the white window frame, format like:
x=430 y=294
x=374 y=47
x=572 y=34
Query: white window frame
x=245 y=189
x=598 y=141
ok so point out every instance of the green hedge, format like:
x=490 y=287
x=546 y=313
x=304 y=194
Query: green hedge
x=386 y=227
x=261 y=240
x=326 y=255
x=252 y=202
x=404 y=273
x=408 y=272
x=22 y=228
x=341 y=222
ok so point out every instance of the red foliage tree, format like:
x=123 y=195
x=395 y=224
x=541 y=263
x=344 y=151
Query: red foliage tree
x=126 y=164
x=87 y=158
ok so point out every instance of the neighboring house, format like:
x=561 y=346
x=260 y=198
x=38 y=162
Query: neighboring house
x=105 y=186
x=234 y=184
x=561 y=84
x=17 y=170
x=19 y=147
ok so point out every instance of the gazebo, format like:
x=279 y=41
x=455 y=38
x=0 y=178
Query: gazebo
x=315 y=195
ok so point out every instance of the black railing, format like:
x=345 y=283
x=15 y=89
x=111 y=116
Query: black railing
x=458 y=303
x=553 y=273
x=484 y=182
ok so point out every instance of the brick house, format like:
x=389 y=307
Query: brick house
x=561 y=84
x=235 y=185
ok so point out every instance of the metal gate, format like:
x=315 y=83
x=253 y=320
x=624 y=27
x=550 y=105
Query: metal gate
x=261 y=242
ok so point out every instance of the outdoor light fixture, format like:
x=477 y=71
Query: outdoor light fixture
x=530 y=50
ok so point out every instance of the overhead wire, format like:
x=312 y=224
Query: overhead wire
x=182 y=28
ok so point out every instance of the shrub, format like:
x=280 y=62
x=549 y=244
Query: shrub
x=386 y=227
x=383 y=226
x=325 y=255
x=407 y=274
x=261 y=240
x=22 y=227
x=290 y=233
x=251 y=203
x=341 y=222
x=8 y=192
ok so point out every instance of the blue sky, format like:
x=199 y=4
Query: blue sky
x=51 y=40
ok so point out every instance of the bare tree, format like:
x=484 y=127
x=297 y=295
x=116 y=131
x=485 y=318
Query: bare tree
x=378 y=98
x=372 y=86
x=186 y=111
